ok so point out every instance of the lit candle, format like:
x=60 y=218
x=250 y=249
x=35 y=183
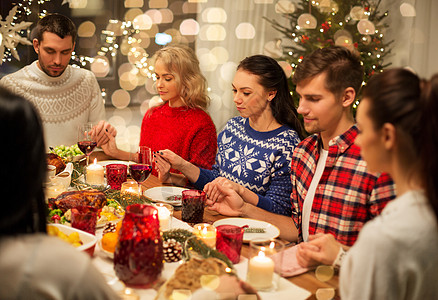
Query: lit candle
x=260 y=271
x=54 y=190
x=130 y=187
x=95 y=174
x=207 y=233
x=164 y=215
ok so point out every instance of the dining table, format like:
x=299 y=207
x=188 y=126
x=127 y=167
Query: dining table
x=307 y=281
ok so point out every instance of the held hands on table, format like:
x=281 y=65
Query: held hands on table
x=320 y=249
x=223 y=194
x=102 y=132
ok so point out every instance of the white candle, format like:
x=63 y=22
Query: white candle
x=260 y=271
x=54 y=190
x=164 y=216
x=207 y=233
x=95 y=174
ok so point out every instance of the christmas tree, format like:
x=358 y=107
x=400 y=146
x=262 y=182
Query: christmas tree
x=355 y=24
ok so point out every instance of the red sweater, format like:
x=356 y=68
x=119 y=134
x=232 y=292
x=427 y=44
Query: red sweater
x=188 y=132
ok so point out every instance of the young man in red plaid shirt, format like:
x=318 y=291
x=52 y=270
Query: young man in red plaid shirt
x=332 y=190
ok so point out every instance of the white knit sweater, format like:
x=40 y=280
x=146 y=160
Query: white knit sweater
x=63 y=102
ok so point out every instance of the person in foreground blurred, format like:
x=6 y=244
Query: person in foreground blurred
x=395 y=256
x=332 y=190
x=34 y=265
x=65 y=97
x=255 y=148
x=181 y=123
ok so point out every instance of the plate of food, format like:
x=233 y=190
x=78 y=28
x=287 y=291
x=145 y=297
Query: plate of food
x=109 y=210
x=166 y=194
x=256 y=229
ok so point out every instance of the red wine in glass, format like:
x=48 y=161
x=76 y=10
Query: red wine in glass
x=140 y=172
x=87 y=146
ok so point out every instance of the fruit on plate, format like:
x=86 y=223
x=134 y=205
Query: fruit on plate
x=55 y=160
x=73 y=238
x=109 y=238
x=68 y=200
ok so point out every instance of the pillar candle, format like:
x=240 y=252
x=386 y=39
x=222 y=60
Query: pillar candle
x=260 y=271
x=164 y=216
x=207 y=233
x=95 y=174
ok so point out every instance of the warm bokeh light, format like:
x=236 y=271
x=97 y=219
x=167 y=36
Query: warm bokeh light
x=86 y=29
x=214 y=15
x=222 y=55
x=155 y=16
x=284 y=7
x=407 y=10
x=208 y=62
x=158 y=3
x=166 y=15
x=142 y=22
x=120 y=98
x=212 y=32
x=132 y=13
x=273 y=49
x=287 y=68
x=100 y=66
x=307 y=21
x=133 y=3
x=365 y=27
x=228 y=70
x=245 y=31
x=189 y=27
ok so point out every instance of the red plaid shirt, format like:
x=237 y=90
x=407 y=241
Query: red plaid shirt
x=347 y=195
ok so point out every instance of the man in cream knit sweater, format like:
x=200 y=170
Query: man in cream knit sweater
x=65 y=96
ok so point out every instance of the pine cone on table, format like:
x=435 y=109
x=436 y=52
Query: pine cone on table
x=172 y=250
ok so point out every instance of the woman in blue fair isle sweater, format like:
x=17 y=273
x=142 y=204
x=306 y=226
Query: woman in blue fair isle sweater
x=254 y=149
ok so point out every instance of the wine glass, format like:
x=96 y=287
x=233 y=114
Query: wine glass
x=85 y=141
x=141 y=170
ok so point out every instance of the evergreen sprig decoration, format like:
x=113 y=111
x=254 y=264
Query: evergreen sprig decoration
x=182 y=235
x=358 y=25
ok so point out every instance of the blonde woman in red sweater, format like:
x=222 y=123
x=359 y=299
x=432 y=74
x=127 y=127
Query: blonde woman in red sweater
x=181 y=123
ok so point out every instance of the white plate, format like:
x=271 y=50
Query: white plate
x=270 y=233
x=162 y=193
x=103 y=163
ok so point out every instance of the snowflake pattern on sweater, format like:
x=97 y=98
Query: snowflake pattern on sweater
x=259 y=161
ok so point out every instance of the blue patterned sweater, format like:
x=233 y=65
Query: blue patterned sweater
x=259 y=161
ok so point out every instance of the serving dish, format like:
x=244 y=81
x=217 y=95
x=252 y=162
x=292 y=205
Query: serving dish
x=88 y=240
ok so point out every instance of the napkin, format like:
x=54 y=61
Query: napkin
x=290 y=266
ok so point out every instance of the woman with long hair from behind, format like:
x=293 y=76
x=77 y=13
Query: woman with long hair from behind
x=34 y=265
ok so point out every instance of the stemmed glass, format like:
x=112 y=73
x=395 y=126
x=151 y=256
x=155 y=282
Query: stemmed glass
x=85 y=141
x=143 y=168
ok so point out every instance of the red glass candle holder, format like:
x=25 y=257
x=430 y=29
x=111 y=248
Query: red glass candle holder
x=138 y=258
x=116 y=174
x=229 y=241
x=84 y=218
x=193 y=203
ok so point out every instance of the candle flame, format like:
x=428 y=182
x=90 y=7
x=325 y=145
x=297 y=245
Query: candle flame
x=95 y=161
x=261 y=254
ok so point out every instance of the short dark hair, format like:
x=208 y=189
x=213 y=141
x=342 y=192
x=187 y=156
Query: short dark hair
x=272 y=77
x=57 y=24
x=23 y=173
x=343 y=68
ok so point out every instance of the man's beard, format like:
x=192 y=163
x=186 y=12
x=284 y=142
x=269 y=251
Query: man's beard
x=48 y=72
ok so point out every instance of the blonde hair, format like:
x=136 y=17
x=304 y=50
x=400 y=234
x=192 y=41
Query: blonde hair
x=182 y=62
